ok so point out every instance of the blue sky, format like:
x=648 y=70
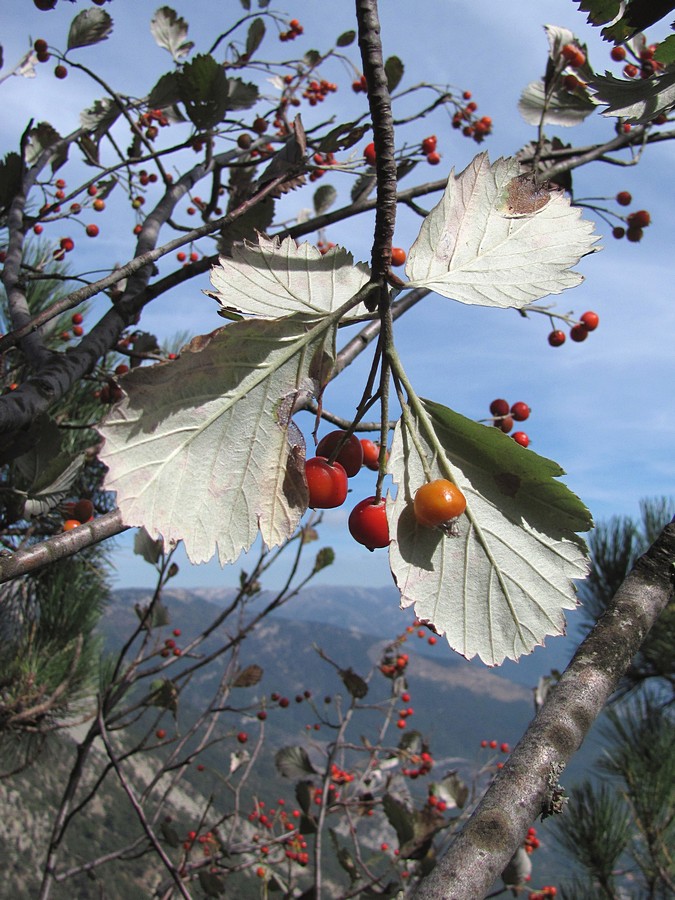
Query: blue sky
x=603 y=409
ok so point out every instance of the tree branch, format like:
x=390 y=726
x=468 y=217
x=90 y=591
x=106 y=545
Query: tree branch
x=46 y=552
x=522 y=790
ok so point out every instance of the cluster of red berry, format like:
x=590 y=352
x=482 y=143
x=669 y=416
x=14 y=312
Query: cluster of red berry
x=170 y=647
x=147 y=121
x=317 y=91
x=429 y=150
x=636 y=221
x=471 y=125
x=294 y=30
x=504 y=415
x=77 y=513
x=338 y=458
x=321 y=160
x=645 y=65
x=573 y=56
x=579 y=331
x=324 y=246
x=77 y=330
x=360 y=85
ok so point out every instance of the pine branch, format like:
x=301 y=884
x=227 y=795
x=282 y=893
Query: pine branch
x=526 y=785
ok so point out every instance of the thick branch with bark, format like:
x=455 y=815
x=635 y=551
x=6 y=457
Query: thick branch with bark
x=527 y=786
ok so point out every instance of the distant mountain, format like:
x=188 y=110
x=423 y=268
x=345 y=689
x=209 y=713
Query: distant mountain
x=456 y=705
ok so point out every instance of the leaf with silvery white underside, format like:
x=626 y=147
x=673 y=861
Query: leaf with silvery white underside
x=561 y=107
x=273 y=279
x=203 y=448
x=170 y=32
x=496 y=239
x=497 y=586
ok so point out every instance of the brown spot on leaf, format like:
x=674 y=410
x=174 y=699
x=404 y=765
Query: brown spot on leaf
x=524 y=196
x=508 y=483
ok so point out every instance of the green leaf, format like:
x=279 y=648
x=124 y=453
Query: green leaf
x=170 y=32
x=164 y=694
x=170 y=835
x=600 y=11
x=356 y=686
x=248 y=677
x=293 y=762
x=452 y=790
x=637 y=101
x=91 y=26
x=345 y=39
x=203 y=448
x=324 y=558
x=166 y=92
x=324 y=198
x=203 y=88
x=147 y=548
x=499 y=582
x=254 y=37
x=274 y=279
x=312 y=58
x=11 y=168
x=212 y=884
x=52 y=483
x=393 y=69
x=496 y=240
x=665 y=51
x=99 y=118
x=40 y=138
x=342 y=137
x=303 y=794
x=241 y=94
x=400 y=818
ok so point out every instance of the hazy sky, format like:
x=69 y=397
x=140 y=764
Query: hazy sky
x=603 y=409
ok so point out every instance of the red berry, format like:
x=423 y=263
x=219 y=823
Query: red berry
x=437 y=502
x=573 y=56
x=83 y=511
x=242 y=737
x=371 y=454
x=78 y=330
x=327 y=485
x=350 y=456
x=520 y=411
x=369 y=154
x=368 y=523
x=578 y=333
x=180 y=256
x=431 y=640
x=67 y=244
x=634 y=235
x=618 y=232
x=493 y=745
x=571 y=83
x=505 y=423
x=429 y=144
x=618 y=54
x=433 y=158
x=556 y=338
x=91 y=230
x=623 y=198
x=590 y=320
x=639 y=219
x=521 y=438
x=77 y=318
x=398 y=256
x=504 y=748
x=61 y=72
x=160 y=734
x=499 y=407
x=630 y=71
x=40 y=46
x=70 y=524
